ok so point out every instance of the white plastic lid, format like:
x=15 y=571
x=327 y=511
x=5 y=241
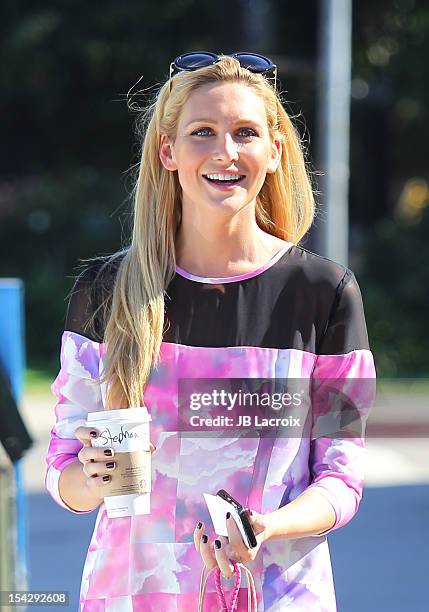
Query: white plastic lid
x=139 y=414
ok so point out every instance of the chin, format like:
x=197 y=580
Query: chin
x=226 y=204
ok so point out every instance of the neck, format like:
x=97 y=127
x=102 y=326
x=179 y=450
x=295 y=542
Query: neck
x=215 y=247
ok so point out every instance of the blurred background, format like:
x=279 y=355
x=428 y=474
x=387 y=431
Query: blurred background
x=68 y=151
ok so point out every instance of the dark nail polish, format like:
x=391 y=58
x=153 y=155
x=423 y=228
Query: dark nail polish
x=199 y=525
x=217 y=543
x=106 y=478
x=228 y=514
x=205 y=538
x=108 y=452
x=94 y=475
x=92 y=460
x=110 y=465
x=93 y=434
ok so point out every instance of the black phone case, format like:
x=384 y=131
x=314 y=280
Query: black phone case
x=243 y=516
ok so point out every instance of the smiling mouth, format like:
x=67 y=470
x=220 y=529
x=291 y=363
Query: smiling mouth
x=219 y=179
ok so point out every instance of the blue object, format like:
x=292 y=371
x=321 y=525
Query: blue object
x=12 y=358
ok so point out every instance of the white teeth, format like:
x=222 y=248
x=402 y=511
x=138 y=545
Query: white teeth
x=224 y=177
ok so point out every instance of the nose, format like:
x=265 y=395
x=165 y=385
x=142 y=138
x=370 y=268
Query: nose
x=226 y=148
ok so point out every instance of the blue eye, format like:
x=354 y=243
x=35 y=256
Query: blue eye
x=252 y=132
x=248 y=132
x=197 y=132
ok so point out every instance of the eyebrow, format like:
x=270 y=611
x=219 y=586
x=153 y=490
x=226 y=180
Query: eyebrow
x=213 y=122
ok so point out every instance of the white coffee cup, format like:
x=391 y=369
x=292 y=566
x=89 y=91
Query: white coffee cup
x=127 y=431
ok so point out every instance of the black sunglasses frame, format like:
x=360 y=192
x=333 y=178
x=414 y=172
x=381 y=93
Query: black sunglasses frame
x=212 y=58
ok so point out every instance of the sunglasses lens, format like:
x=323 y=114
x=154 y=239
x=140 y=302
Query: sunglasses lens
x=192 y=61
x=255 y=63
x=200 y=59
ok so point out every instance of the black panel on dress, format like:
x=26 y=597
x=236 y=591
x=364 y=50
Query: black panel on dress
x=303 y=301
x=92 y=288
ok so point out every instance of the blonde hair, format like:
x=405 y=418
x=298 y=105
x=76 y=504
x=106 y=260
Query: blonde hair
x=284 y=208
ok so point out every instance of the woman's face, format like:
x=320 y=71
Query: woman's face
x=222 y=134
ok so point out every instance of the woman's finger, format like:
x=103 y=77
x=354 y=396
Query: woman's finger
x=97 y=482
x=198 y=533
x=229 y=551
x=93 y=453
x=207 y=553
x=98 y=468
x=222 y=560
x=86 y=434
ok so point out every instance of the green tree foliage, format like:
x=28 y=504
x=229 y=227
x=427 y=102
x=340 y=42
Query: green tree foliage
x=395 y=287
x=389 y=179
x=47 y=222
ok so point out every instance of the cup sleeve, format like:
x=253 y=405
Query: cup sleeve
x=342 y=393
x=77 y=391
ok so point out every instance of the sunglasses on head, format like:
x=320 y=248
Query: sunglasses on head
x=200 y=59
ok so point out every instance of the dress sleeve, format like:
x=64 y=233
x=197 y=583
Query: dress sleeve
x=77 y=389
x=343 y=389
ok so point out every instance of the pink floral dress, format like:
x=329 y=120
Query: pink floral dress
x=299 y=316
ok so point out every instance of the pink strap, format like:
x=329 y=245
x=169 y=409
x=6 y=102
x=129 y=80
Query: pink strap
x=235 y=590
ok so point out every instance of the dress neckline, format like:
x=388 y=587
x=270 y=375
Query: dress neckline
x=237 y=277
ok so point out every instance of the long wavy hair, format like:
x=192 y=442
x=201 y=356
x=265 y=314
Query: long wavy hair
x=285 y=208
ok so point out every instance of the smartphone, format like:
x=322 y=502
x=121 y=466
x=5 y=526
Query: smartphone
x=247 y=527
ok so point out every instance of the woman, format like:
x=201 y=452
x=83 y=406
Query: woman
x=213 y=285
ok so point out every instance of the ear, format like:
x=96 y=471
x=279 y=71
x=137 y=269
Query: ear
x=276 y=154
x=166 y=153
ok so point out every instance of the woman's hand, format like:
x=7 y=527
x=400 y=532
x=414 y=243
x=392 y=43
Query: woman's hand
x=98 y=464
x=223 y=549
